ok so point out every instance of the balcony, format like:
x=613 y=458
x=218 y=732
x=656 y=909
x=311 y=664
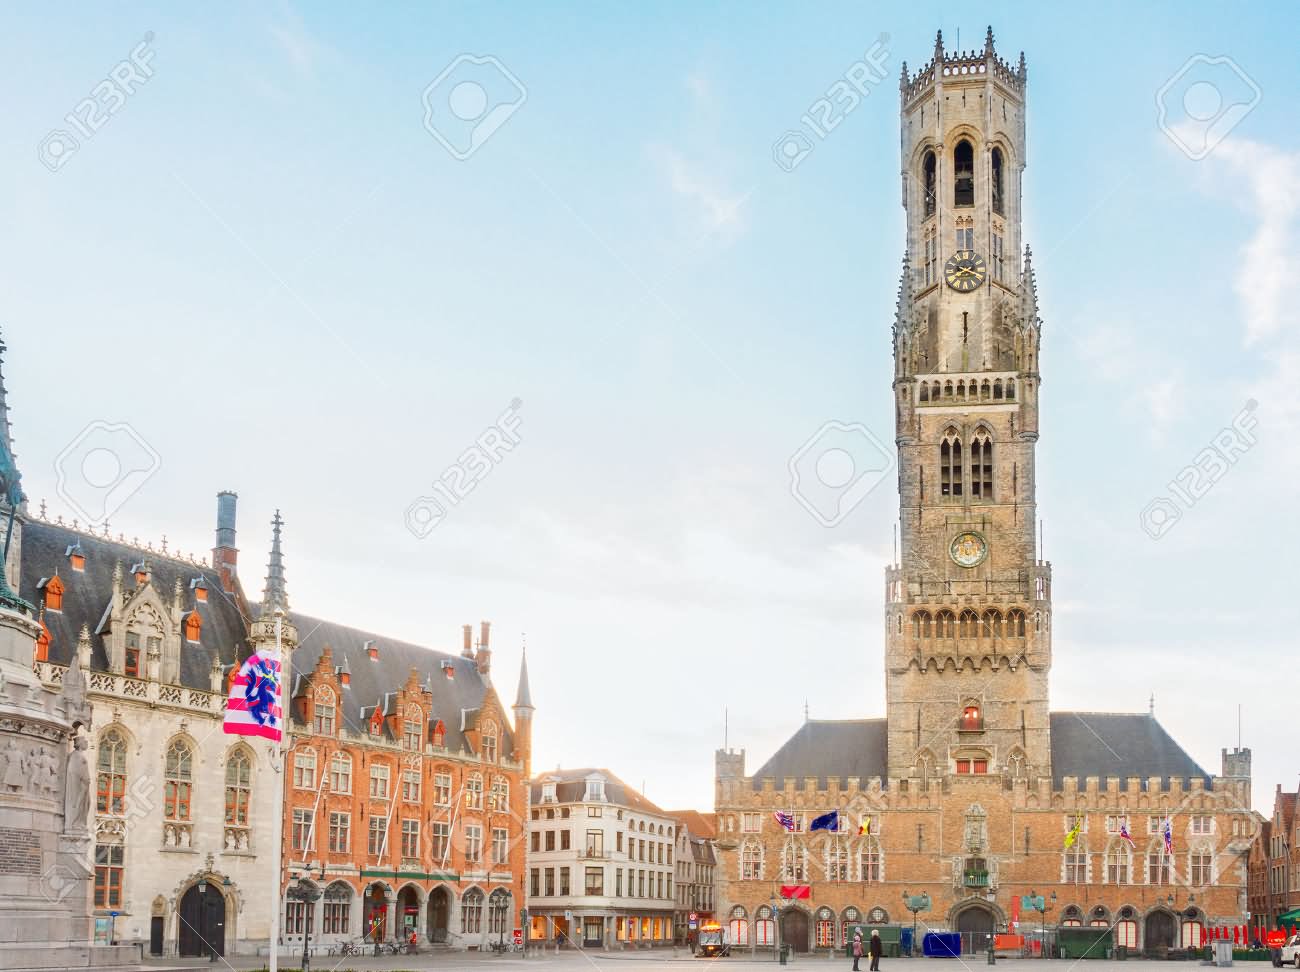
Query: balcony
x=594 y=854
x=975 y=879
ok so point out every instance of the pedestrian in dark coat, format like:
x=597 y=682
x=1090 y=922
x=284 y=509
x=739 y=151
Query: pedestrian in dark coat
x=877 y=949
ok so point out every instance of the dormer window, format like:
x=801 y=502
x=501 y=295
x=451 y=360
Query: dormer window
x=193 y=627
x=548 y=792
x=411 y=735
x=372 y=649
x=141 y=571
x=43 y=643
x=448 y=670
x=200 y=590
x=595 y=790
x=489 y=744
x=323 y=712
x=132 y=664
x=439 y=732
x=54 y=594
x=76 y=557
x=376 y=722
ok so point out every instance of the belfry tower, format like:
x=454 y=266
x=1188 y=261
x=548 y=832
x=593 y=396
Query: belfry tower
x=968 y=646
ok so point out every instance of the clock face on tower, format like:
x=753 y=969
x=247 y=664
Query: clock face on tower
x=965 y=270
x=968 y=549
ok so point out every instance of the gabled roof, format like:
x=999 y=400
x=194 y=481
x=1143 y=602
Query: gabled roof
x=571 y=787
x=698 y=824
x=822 y=748
x=372 y=680
x=1121 y=744
x=89 y=593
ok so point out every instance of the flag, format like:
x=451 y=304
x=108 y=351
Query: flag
x=1125 y=835
x=253 y=708
x=1169 y=837
x=1073 y=835
x=827 y=821
x=796 y=891
x=865 y=826
x=786 y=820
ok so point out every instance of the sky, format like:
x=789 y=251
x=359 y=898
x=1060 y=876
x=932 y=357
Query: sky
x=555 y=258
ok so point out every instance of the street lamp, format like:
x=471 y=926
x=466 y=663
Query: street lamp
x=500 y=908
x=308 y=894
x=915 y=903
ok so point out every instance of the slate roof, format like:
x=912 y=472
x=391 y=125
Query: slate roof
x=571 y=787
x=1121 y=744
x=1084 y=744
x=87 y=595
x=699 y=824
x=822 y=748
x=456 y=701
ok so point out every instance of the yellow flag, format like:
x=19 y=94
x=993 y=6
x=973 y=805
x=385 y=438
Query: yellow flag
x=1074 y=832
x=864 y=827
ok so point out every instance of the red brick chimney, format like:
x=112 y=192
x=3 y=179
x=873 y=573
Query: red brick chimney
x=467 y=647
x=484 y=657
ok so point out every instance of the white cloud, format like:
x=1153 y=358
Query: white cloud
x=715 y=208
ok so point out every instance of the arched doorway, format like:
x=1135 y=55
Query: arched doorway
x=408 y=912
x=794 y=929
x=439 y=912
x=1159 y=931
x=376 y=913
x=975 y=924
x=202 y=930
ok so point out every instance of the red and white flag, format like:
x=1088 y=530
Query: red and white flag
x=254 y=707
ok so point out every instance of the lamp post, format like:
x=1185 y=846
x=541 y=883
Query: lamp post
x=307 y=893
x=915 y=903
x=500 y=909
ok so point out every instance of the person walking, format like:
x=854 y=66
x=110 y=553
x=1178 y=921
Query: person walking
x=876 y=949
x=857 y=949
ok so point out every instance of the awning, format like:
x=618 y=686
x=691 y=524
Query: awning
x=1291 y=916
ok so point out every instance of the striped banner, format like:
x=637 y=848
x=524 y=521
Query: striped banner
x=254 y=706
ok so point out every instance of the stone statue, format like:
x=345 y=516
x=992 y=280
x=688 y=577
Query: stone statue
x=15 y=778
x=76 y=789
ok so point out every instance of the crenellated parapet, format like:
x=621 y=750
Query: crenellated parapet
x=964 y=65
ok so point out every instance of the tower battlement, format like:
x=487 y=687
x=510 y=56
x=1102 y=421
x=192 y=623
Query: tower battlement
x=962 y=66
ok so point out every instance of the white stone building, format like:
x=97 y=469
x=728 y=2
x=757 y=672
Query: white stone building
x=600 y=863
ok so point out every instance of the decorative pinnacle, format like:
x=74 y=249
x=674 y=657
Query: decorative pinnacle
x=938 y=47
x=988 y=42
x=274 y=596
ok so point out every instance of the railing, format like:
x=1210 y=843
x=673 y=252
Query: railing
x=975 y=879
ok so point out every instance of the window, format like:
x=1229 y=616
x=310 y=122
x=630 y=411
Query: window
x=442 y=789
x=618 y=841
x=411 y=735
x=238 y=774
x=500 y=845
x=851 y=916
x=837 y=860
x=1076 y=865
x=108 y=875
x=110 y=786
x=298 y=917
x=441 y=837
x=1157 y=866
x=1202 y=824
x=489 y=743
x=739 y=926
x=869 y=863
x=928 y=166
x=338 y=905
x=549 y=875
x=473 y=843
x=963 y=182
x=750 y=823
x=410 y=838
x=323 y=713
x=972 y=719
x=981 y=465
x=378 y=836
x=975 y=766
x=1202 y=864
x=1126 y=932
x=825 y=928
x=566 y=839
x=54 y=594
x=1115 y=823
x=498 y=912
x=300 y=834
x=793 y=863
x=966 y=237
x=534 y=883
x=379 y=781
x=999 y=262
x=471 y=912
x=950 y=464
x=564 y=881
x=304 y=769
x=995 y=184
x=341 y=773
x=931 y=259
x=339 y=834
x=499 y=799
x=751 y=862
x=1117 y=865
x=178 y=786
x=474 y=792
x=411 y=785
x=763 y=926
x=193 y=627
x=550 y=840
x=595 y=843
x=132 y=666
x=595 y=811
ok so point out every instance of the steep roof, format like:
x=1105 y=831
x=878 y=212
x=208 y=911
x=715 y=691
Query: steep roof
x=1118 y=744
x=87 y=595
x=571 y=787
x=699 y=824
x=822 y=748
x=456 y=701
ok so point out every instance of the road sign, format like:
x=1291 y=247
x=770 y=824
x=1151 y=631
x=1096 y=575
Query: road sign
x=695 y=916
x=517 y=936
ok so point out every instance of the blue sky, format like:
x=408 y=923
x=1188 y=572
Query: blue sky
x=267 y=266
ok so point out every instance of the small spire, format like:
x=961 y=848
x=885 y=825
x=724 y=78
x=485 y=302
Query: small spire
x=902 y=78
x=274 y=596
x=10 y=478
x=524 y=697
x=988 y=42
x=1023 y=72
x=938 y=47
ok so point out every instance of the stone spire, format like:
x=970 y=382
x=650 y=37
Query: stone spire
x=524 y=718
x=524 y=695
x=988 y=42
x=274 y=596
x=10 y=478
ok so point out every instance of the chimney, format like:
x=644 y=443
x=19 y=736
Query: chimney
x=372 y=650
x=225 y=553
x=483 y=659
x=467 y=648
x=483 y=629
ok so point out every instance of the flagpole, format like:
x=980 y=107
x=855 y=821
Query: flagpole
x=277 y=823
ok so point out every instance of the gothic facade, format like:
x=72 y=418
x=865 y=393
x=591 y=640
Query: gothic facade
x=969 y=786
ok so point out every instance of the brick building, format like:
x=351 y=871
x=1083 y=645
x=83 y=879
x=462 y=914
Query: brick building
x=696 y=866
x=1274 y=868
x=970 y=785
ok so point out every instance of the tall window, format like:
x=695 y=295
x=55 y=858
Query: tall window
x=411 y=785
x=928 y=173
x=869 y=853
x=442 y=789
x=489 y=743
x=763 y=926
x=132 y=666
x=931 y=258
x=966 y=237
x=981 y=465
x=793 y=863
x=108 y=875
x=1117 y=865
x=238 y=776
x=110 y=786
x=1076 y=865
x=304 y=769
x=474 y=792
x=995 y=189
x=179 y=781
x=300 y=833
x=340 y=835
x=473 y=843
x=500 y=798
x=594 y=880
x=411 y=735
x=379 y=775
x=950 y=464
x=498 y=911
x=410 y=838
x=1157 y=865
x=1201 y=867
x=837 y=860
x=751 y=862
x=963 y=180
x=323 y=712
x=338 y=907
x=999 y=262
x=441 y=837
x=377 y=837
x=341 y=773
x=739 y=926
x=825 y=928
x=500 y=844
x=471 y=912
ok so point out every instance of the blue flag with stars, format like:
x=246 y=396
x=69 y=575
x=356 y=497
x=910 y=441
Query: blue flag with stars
x=827 y=821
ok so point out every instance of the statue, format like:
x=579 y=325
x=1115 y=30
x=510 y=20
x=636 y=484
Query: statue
x=15 y=778
x=76 y=789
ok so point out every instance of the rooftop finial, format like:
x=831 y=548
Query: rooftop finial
x=524 y=697
x=274 y=596
x=938 y=47
x=988 y=42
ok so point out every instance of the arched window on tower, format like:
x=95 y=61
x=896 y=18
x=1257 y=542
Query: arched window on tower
x=996 y=187
x=950 y=463
x=945 y=624
x=928 y=165
x=963 y=179
x=972 y=717
x=921 y=624
x=981 y=465
x=968 y=625
x=1016 y=623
